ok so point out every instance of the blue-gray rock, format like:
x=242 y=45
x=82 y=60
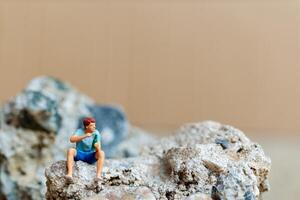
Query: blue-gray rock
x=249 y=195
x=47 y=104
x=129 y=148
x=223 y=142
x=35 y=111
x=35 y=127
x=51 y=106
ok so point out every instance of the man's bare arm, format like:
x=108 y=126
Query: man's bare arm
x=97 y=146
x=77 y=138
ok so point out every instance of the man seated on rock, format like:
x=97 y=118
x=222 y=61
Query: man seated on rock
x=88 y=148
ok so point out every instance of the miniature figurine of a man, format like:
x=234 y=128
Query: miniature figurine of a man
x=88 y=148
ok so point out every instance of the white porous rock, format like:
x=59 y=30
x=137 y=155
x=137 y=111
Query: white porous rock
x=205 y=161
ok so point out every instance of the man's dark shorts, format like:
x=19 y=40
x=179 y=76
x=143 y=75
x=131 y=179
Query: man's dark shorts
x=89 y=157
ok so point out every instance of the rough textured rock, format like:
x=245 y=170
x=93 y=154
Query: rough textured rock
x=129 y=172
x=24 y=156
x=199 y=196
x=124 y=193
x=35 y=127
x=47 y=104
x=202 y=161
x=52 y=106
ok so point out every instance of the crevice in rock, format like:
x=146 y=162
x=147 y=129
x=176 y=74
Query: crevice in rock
x=170 y=195
x=215 y=193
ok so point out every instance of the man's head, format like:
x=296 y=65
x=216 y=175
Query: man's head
x=89 y=124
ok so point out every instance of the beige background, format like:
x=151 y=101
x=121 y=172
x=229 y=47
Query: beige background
x=166 y=62
x=170 y=62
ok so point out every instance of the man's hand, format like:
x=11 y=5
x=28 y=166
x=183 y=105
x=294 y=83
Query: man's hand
x=88 y=135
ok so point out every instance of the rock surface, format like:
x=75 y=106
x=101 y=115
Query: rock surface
x=55 y=107
x=129 y=148
x=35 y=127
x=201 y=161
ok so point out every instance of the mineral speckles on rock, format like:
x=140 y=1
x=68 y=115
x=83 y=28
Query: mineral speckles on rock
x=185 y=167
x=129 y=172
x=30 y=111
x=202 y=161
x=46 y=104
x=124 y=193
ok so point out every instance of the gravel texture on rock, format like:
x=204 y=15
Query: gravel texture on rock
x=205 y=160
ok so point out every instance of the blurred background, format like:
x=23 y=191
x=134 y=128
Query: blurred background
x=170 y=62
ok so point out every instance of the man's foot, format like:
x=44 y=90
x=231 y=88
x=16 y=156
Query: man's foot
x=97 y=179
x=96 y=184
x=69 y=179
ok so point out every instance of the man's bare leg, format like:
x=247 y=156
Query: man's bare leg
x=70 y=161
x=100 y=156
